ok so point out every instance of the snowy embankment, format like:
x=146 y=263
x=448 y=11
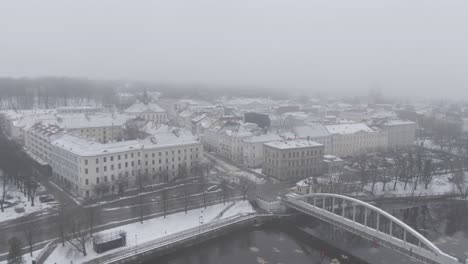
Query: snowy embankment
x=19 y=201
x=234 y=173
x=152 y=229
x=440 y=185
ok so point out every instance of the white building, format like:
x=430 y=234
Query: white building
x=350 y=139
x=253 y=148
x=400 y=133
x=150 y=111
x=80 y=109
x=38 y=138
x=82 y=165
x=315 y=132
x=289 y=160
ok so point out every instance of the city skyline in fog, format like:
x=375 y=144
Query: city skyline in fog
x=412 y=48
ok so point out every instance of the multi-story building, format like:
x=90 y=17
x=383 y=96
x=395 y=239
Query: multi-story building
x=400 y=133
x=315 y=132
x=355 y=138
x=83 y=165
x=253 y=148
x=38 y=139
x=149 y=111
x=289 y=160
x=80 y=109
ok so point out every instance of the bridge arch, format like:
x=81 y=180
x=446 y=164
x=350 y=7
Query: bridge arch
x=424 y=250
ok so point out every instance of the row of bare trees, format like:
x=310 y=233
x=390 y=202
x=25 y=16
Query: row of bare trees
x=15 y=171
x=399 y=165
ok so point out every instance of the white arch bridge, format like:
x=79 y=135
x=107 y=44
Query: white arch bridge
x=370 y=222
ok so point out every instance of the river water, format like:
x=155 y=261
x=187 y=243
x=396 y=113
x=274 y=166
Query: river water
x=296 y=240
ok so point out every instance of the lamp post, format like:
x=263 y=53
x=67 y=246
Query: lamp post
x=136 y=244
x=200 y=221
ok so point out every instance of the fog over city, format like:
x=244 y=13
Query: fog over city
x=406 y=48
x=244 y=131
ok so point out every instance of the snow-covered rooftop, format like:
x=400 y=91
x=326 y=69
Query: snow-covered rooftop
x=311 y=130
x=398 y=122
x=268 y=137
x=139 y=107
x=345 y=129
x=293 y=143
x=163 y=138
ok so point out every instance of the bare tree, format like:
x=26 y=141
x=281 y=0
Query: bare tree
x=32 y=190
x=459 y=179
x=186 y=197
x=101 y=189
x=142 y=180
x=224 y=190
x=15 y=256
x=79 y=234
x=245 y=186
x=29 y=231
x=142 y=208
x=62 y=223
x=90 y=214
x=362 y=162
x=164 y=199
x=5 y=189
x=428 y=172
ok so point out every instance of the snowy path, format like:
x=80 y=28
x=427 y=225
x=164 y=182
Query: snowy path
x=152 y=229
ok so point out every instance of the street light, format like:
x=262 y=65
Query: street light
x=136 y=244
x=200 y=221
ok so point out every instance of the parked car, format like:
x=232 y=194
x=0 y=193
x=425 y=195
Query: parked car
x=212 y=188
x=46 y=199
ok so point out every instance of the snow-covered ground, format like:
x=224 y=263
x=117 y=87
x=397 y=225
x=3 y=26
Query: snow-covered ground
x=234 y=173
x=440 y=185
x=21 y=202
x=152 y=229
x=26 y=257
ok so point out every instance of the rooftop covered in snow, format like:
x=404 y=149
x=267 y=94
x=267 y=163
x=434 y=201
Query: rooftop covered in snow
x=346 y=129
x=293 y=144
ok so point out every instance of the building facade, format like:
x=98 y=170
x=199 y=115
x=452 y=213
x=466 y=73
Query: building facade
x=400 y=133
x=289 y=160
x=85 y=166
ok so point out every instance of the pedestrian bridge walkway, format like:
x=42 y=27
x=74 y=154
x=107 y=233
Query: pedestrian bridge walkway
x=370 y=222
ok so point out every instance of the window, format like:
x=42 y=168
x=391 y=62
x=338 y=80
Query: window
x=86 y=171
x=97 y=160
x=86 y=181
x=105 y=159
x=112 y=177
x=131 y=155
x=85 y=162
x=105 y=168
x=126 y=156
x=97 y=170
x=97 y=180
x=112 y=166
x=146 y=156
x=118 y=157
x=112 y=158
x=105 y=178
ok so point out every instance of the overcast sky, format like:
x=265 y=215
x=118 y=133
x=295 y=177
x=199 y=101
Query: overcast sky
x=416 y=46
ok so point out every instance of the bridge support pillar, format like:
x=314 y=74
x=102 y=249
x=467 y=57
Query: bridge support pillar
x=365 y=216
x=343 y=207
x=354 y=213
x=378 y=223
x=333 y=205
x=391 y=228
